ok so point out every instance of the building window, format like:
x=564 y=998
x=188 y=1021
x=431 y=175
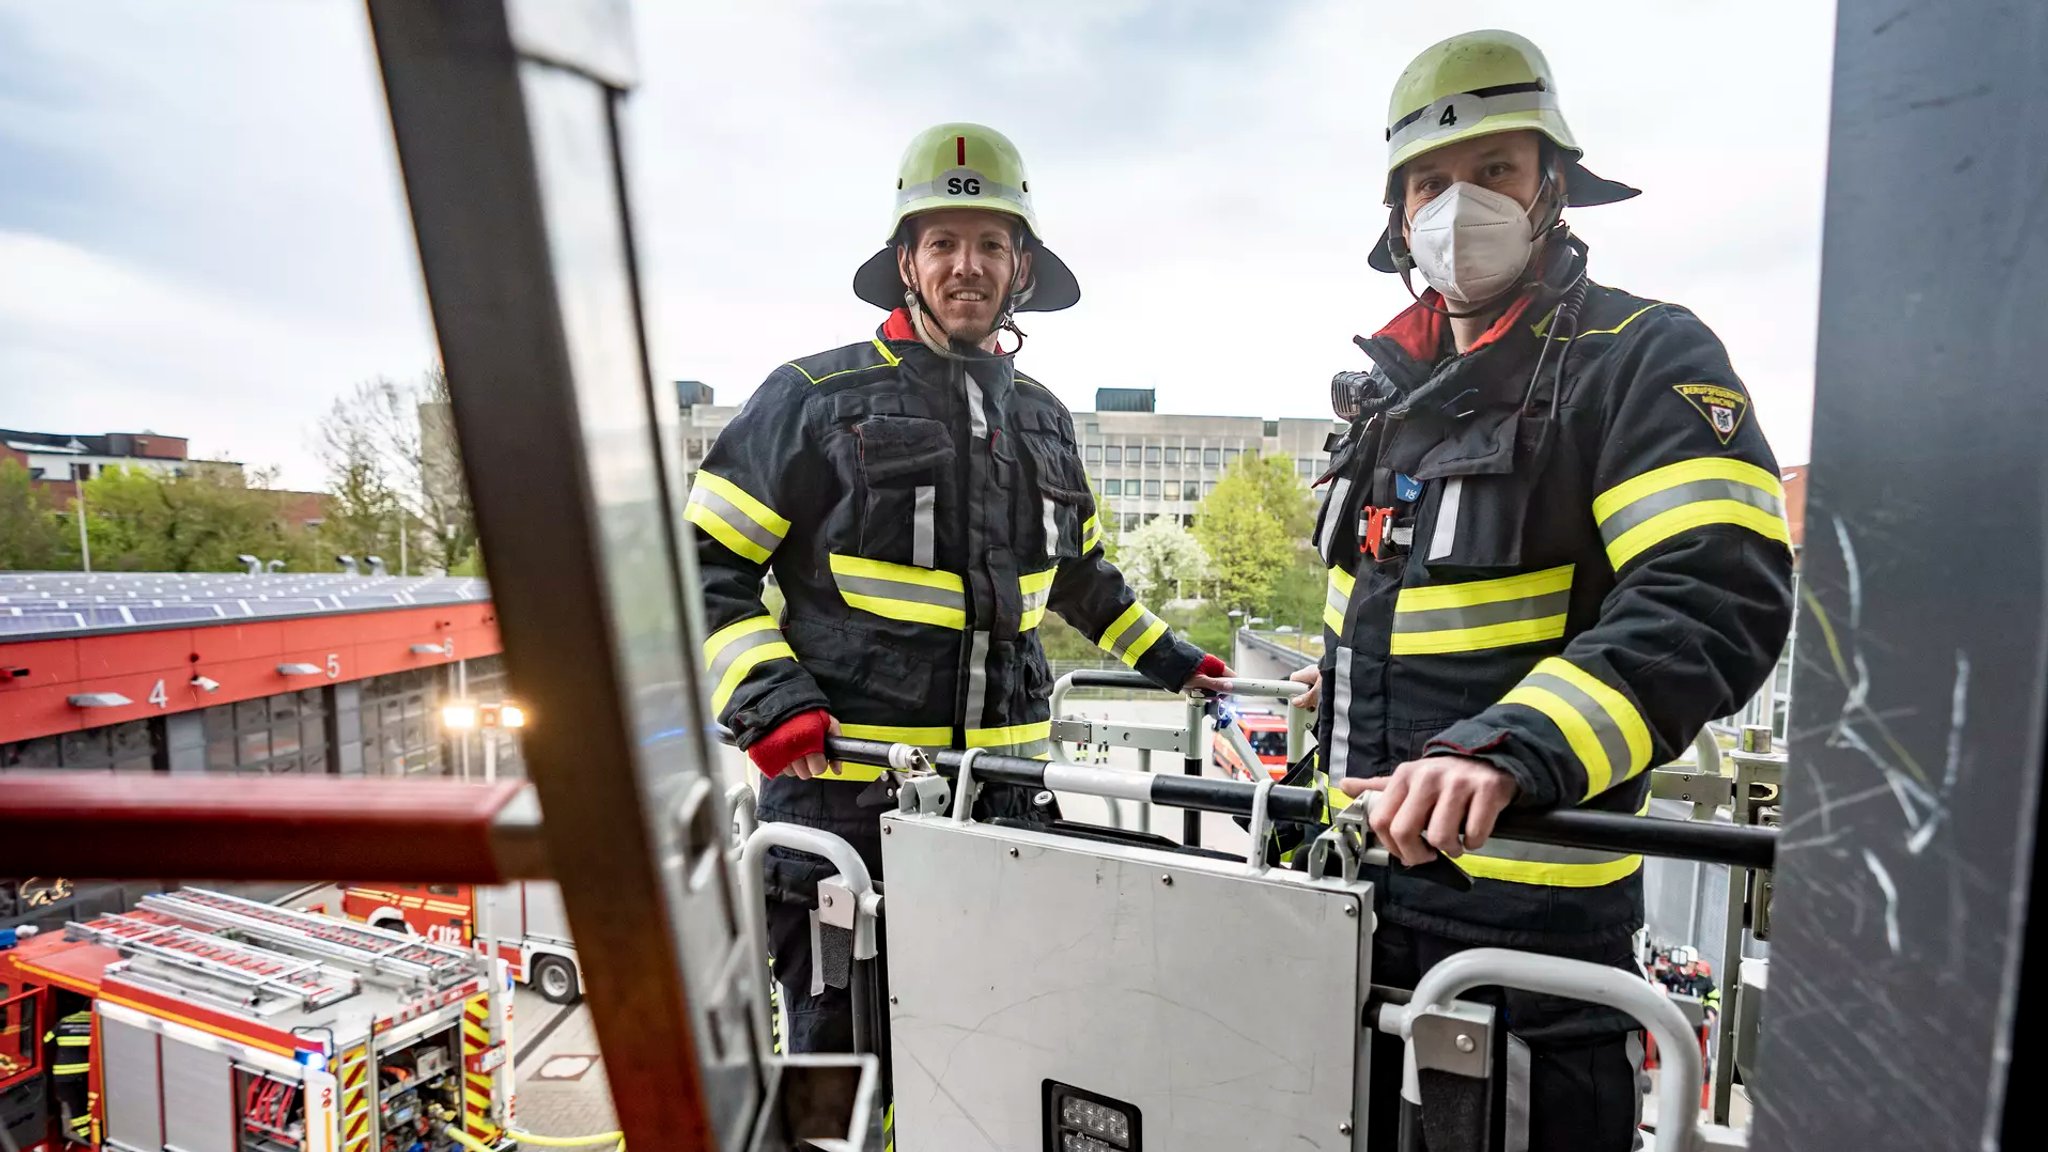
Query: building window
x=401 y=735
x=1272 y=428
x=1093 y=454
x=1113 y=487
x=1173 y=455
x=1113 y=454
x=1212 y=456
x=1230 y=455
x=1130 y=521
x=268 y=736
x=1151 y=453
x=134 y=746
x=1191 y=492
x=1306 y=468
x=1208 y=486
x=1152 y=489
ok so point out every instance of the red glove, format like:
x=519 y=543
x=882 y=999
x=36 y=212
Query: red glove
x=1212 y=665
x=795 y=738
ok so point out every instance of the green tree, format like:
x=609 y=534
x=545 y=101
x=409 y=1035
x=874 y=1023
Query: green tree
x=1163 y=560
x=30 y=537
x=392 y=464
x=202 y=520
x=1254 y=526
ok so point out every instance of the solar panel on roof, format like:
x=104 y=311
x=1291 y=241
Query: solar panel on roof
x=19 y=625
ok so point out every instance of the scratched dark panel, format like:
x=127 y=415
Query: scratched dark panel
x=1916 y=753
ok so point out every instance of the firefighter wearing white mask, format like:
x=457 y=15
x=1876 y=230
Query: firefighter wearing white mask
x=1557 y=548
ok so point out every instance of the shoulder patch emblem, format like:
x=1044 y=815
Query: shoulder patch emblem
x=1722 y=406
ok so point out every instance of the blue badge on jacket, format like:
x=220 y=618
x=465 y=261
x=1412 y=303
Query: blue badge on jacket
x=1407 y=489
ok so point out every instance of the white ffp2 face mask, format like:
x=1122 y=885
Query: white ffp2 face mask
x=1471 y=243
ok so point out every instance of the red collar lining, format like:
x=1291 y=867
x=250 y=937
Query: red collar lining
x=897 y=326
x=1419 y=330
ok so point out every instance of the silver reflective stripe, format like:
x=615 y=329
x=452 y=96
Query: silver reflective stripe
x=1446 y=533
x=1516 y=1136
x=921 y=546
x=1596 y=716
x=1036 y=601
x=977 y=414
x=1052 y=528
x=1480 y=615
x=1336 y=601
x=1469 y=107
x=740 y=647
x=1340 y=491
x=1692 y=492
x=734 y=518
x=1339 y=703
x=899 y=590
x=977 y=681
x=940 y=187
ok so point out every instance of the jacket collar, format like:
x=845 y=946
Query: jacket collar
x=995 y=375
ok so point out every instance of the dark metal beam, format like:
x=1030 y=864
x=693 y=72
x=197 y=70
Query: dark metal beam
x=1902 y=958
x=507 y=117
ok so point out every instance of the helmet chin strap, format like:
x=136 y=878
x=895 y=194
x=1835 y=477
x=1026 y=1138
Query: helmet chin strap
x=932 y=333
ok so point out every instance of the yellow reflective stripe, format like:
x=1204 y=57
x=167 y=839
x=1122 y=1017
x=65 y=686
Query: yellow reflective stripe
x=1657 y=480
x=1014 y=734
x=1578 y=732
x=1476 y=639
x=925 y=737
x=1548 y=874
x=906 y=610
x=1338 y=799
x=1665 y=525
x=1091 y=533
x=1623 y=714
x=901 y=591
x=1145 y=642
x=888 y=357
x=1036 y=588
x=896 y=573
x=731 y=632
x=724 y=533
x=1337 y=598
x=1484 y=591
x=741 y=499
x=1646 y=510
x=1117 y=627
x=744 y=663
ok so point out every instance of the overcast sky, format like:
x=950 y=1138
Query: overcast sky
x=201 y=230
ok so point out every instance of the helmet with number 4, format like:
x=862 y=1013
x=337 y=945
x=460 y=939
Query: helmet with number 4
x=966 y=166
x=1478 y=84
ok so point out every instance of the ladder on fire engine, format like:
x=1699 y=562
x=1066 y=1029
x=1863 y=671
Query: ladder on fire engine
x=243 y=977
x=388 y=953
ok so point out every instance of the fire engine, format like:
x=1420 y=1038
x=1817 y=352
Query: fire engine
x=205 y=1022
x=522 y=924
x=1266 y=732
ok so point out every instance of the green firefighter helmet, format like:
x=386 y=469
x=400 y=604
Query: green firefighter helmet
x=1478 y=84
x=962 y=165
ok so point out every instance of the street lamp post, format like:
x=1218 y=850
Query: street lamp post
x=84 y=544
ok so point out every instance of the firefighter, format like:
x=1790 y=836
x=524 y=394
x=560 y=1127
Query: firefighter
x=921 y=504
x=1557 y=548
x=71 y=1070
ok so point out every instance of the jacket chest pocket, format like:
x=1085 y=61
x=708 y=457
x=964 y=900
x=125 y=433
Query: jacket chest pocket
x=1481 y=484
x=903 y=461
x=1049 y=507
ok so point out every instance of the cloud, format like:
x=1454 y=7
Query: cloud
x=1210 y=168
